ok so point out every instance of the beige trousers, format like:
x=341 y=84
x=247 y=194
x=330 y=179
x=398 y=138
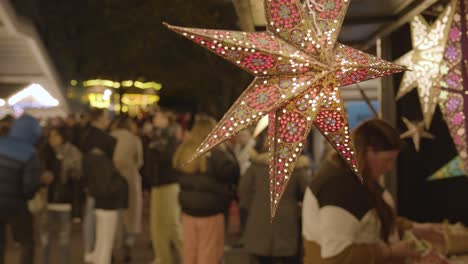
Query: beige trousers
x=165 y=222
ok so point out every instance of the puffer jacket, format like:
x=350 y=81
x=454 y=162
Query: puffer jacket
x=207 y=194
x=279 y=236
x=19 y=165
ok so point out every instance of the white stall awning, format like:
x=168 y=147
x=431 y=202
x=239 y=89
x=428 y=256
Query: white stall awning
x=23 y=58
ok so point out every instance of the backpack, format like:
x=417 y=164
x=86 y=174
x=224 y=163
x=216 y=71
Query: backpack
x=104 y=182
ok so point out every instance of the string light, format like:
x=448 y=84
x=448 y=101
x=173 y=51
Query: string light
x=139 y=99
x=103 y=100
x=127 y=83
x=97 y=100
x=107 y=94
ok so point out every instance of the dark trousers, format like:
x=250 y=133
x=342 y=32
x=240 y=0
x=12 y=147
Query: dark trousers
x=56 y=227
x=22 y=226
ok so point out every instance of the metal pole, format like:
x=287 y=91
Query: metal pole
x=413 y=10
x=244 y=12
x=387 y=108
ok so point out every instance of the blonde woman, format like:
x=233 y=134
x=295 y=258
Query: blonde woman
x=204 y=194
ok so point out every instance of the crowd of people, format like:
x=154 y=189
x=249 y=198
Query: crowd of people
x=95 y=170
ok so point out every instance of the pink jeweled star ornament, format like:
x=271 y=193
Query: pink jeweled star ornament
x=453 y=99
x=298 y=67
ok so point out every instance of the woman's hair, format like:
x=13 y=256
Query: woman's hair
x=201 y=128
x=61 y=131
x=171 y=117
x=95 y=114
x=377 y=135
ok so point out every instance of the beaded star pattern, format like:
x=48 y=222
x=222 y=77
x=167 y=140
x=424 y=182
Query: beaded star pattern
x=424 y=61
x=454 y=81
x=298 y=67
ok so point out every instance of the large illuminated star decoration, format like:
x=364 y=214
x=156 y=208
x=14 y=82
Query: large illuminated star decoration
x=454 y=81
x=298 y=67
x=424 y=62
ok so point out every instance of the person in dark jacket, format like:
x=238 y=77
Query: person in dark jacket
x=276 y=241
x=165 y=209
x=64 y=163
x=204 y=195
x=105 y=185
x=5 y=124
x=19 y=181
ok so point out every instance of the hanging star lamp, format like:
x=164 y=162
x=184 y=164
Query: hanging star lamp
x=416 y=132
x=454 y=81
x=424 y=61
x=454 y=168
x=298 y=67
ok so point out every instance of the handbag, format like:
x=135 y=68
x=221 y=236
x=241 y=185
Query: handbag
x=39 y=201
x=105 y=180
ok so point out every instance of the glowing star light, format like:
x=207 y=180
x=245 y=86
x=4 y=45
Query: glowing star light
x=416 y=132
x=298 y=68
x=453 y=168
x=424 y=62
x=454 y=81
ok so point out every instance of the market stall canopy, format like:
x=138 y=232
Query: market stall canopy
x=23 y=59
x=365 y=21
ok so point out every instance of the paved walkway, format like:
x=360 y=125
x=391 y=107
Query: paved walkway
x=142 y=253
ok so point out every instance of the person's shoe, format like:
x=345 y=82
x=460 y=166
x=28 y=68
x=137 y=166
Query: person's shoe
x=128 y=255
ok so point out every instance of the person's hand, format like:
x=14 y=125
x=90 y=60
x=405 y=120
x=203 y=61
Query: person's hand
x=430 y=232
x=47 y=177
x=402 y=249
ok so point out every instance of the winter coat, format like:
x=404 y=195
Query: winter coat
x=19 y=165
x=208 y=194
x=159 y=151
x=261 y=236
x=104 y=182
x=128 y=159
x=65 y=164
